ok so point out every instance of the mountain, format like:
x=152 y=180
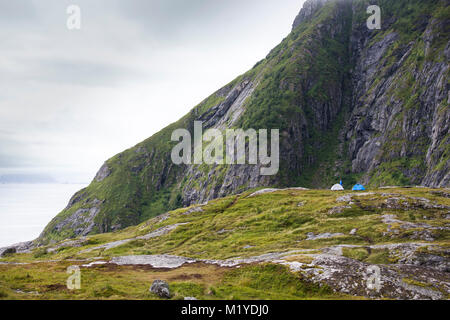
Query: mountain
x=351 y=103
x=26 y=178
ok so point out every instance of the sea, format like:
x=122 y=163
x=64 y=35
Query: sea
x=25 y=209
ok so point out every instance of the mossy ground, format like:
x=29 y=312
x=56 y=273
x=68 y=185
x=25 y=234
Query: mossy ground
x=47 y=281
x=236 y=226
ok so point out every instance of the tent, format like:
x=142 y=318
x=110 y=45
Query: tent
x=337 y=187
x=358 y=187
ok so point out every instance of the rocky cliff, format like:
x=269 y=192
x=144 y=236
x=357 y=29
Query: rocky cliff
x=350 y=103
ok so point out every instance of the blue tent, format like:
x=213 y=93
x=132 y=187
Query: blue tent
x=358 y=187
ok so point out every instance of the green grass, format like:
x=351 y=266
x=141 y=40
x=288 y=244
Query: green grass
x=272 y=222
x=3 y=294
x=202 y=282
x=269 y=222
x=271 y=282
x=376 y=256
x=356 y=253
x=380 y=256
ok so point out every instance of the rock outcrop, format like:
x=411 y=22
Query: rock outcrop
x=22 y=247
x=160 y=288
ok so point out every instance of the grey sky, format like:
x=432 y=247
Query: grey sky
x=69 y=100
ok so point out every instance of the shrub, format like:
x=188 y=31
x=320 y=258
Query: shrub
x=3 y=294
x=39 y=253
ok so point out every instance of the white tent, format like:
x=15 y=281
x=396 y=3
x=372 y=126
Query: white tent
x=337 y=187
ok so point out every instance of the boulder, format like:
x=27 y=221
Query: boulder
x=160 y=288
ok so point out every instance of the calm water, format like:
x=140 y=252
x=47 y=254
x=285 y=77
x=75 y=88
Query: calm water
x=25 y=209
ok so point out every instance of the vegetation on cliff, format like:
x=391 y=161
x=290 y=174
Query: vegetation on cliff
x=351 y=104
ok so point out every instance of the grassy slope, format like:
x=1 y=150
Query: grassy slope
x=267 y=223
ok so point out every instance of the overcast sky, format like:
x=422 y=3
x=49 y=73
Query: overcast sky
x=69 y=100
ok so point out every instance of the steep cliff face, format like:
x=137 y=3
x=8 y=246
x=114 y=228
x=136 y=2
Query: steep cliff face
x=350 y=103
x=399 y=128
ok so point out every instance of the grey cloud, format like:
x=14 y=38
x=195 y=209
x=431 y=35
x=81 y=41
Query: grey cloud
x=16 y=11
x=85 y=73
x=180 y=19
x=77 y=98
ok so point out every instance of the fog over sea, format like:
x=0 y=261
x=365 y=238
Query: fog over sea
x=25 y=209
